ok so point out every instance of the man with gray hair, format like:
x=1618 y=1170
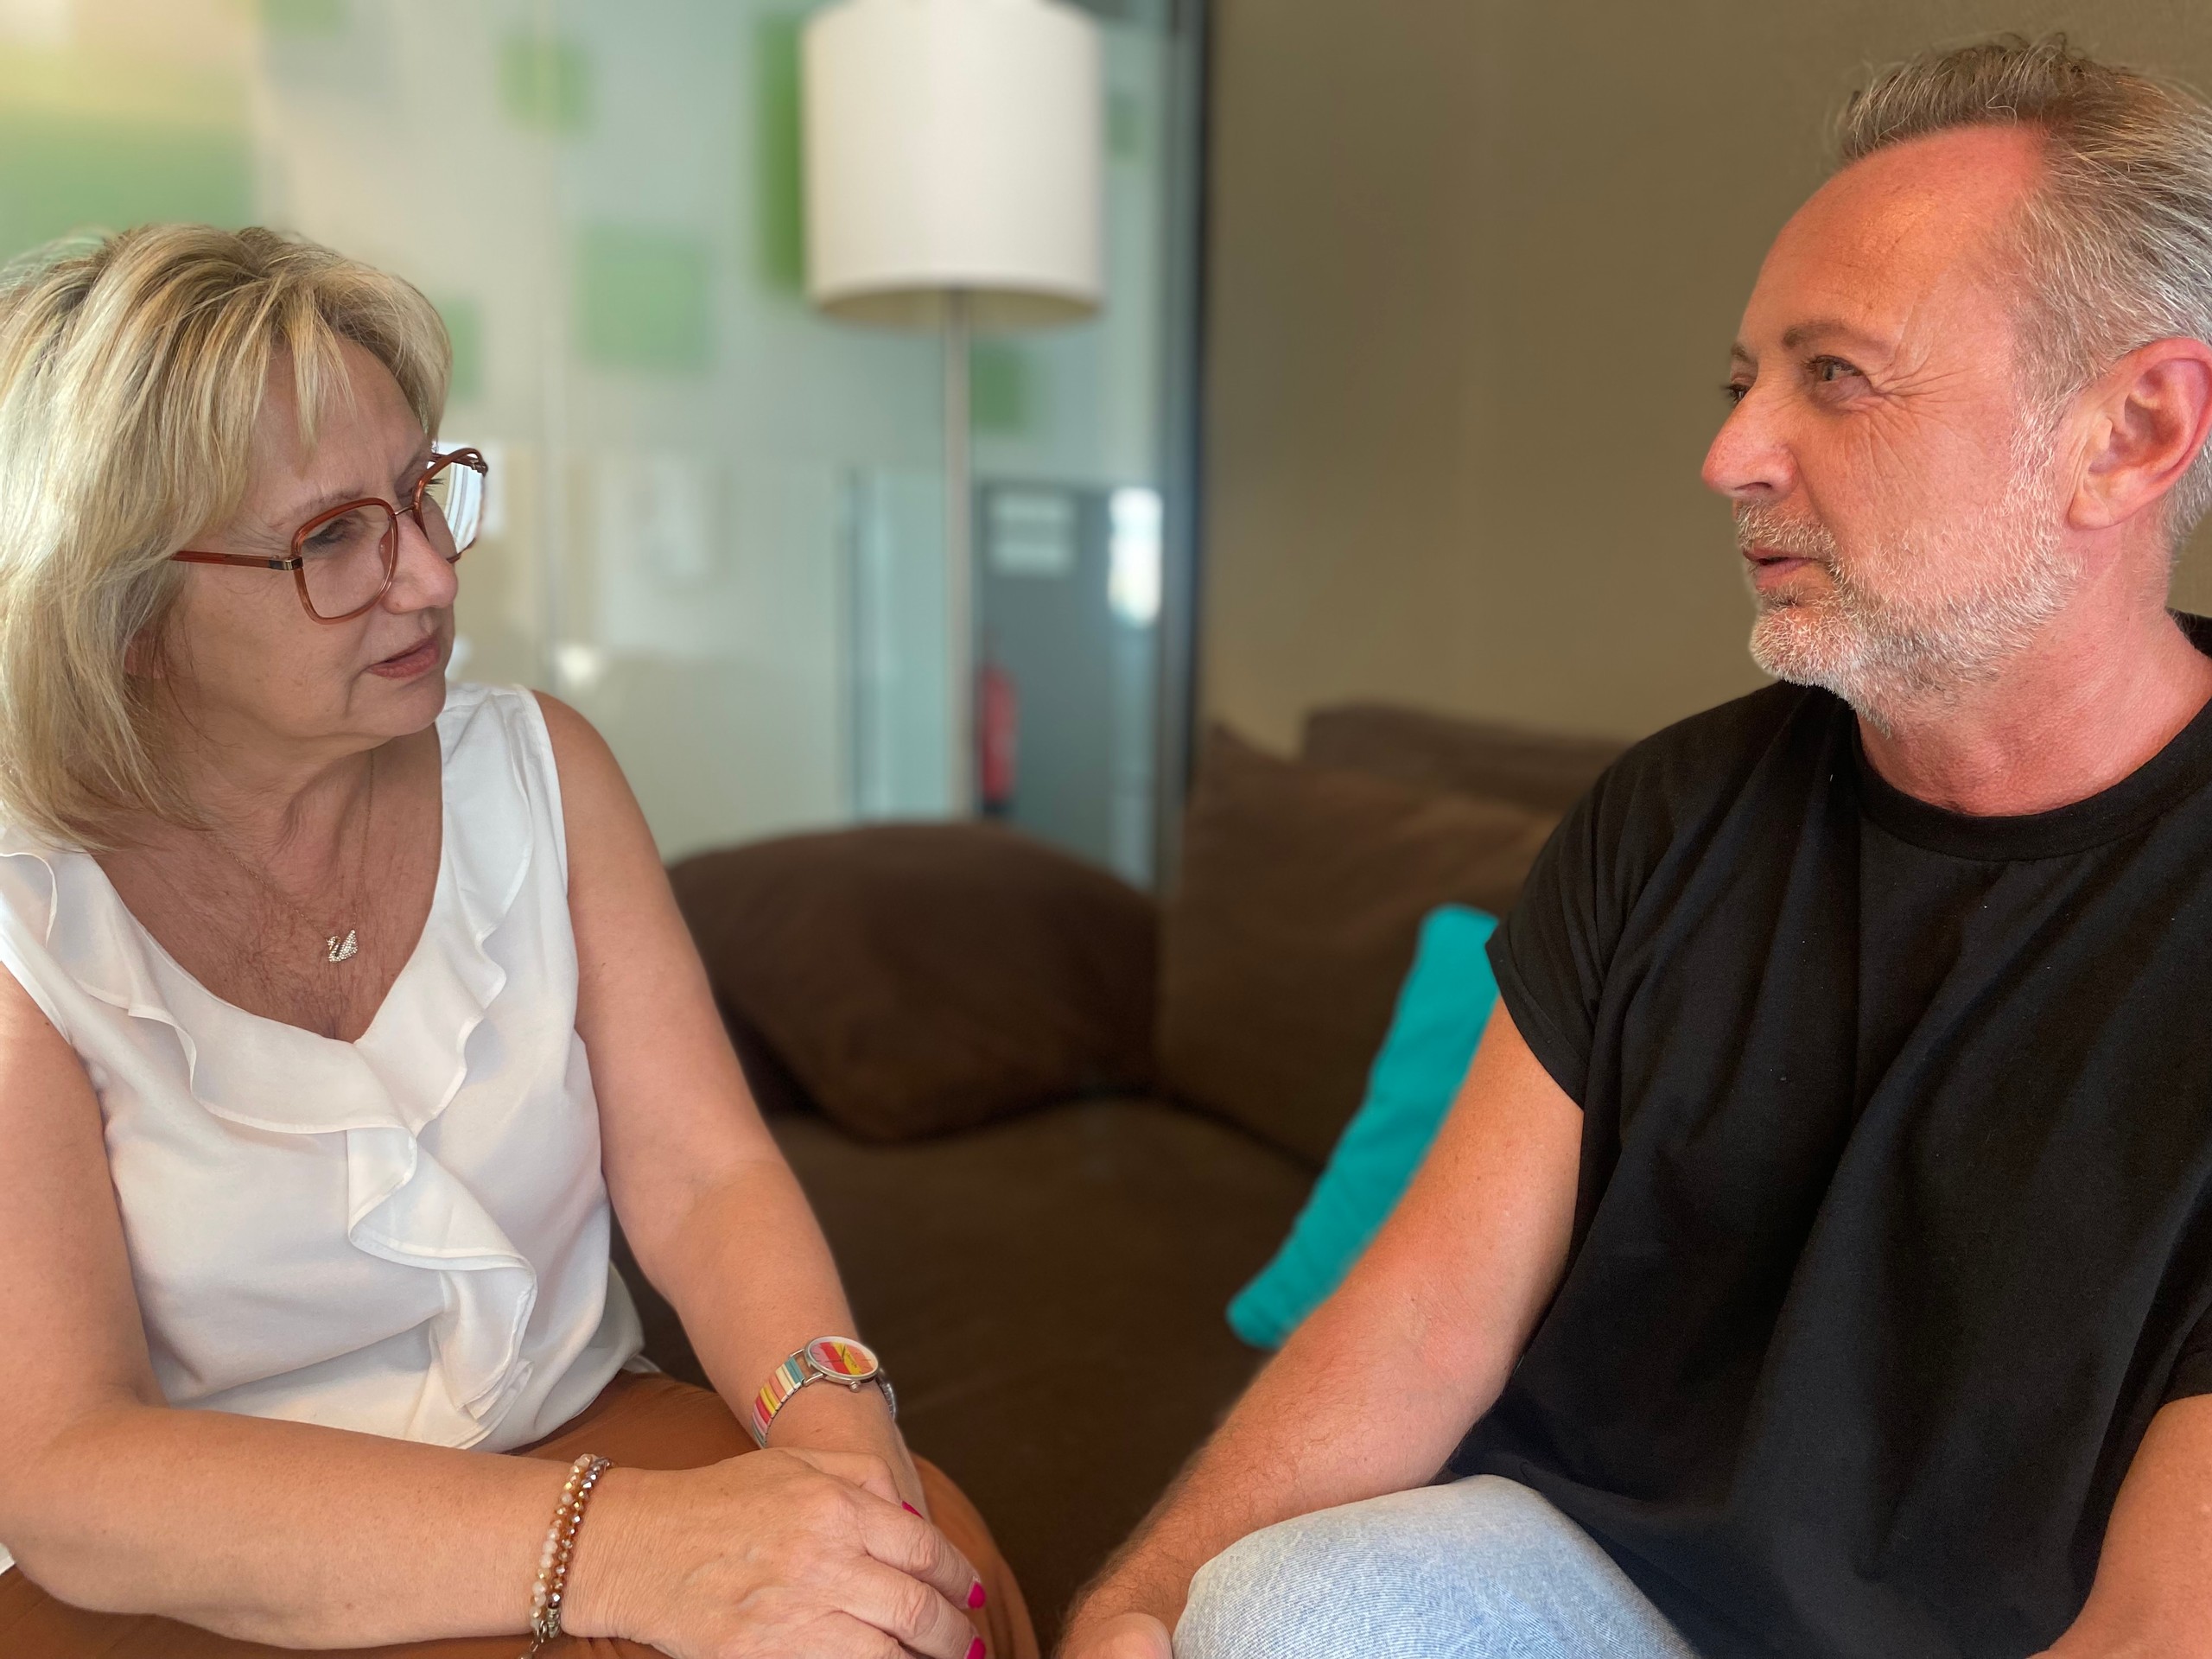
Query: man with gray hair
x=1818 y=1259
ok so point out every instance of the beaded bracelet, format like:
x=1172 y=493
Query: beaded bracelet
x=560 y=1546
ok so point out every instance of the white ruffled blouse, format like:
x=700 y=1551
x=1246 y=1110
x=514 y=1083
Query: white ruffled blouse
x=405 y=1235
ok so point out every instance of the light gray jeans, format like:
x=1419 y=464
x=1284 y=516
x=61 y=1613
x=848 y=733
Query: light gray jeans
x=1482 y=1568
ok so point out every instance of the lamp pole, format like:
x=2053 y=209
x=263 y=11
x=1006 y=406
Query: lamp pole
x=959 y=560
x=954 y=179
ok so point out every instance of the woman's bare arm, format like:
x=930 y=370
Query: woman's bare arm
x=307 y=1537
x=1373 y=1391
x=278 y=1531
x=710 y=1206
x=311 y=1537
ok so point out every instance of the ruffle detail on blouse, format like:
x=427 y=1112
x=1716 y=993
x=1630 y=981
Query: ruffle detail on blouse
x=382 y=1092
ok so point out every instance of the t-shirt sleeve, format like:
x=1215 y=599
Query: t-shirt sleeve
x=1556 y=953
x=1551 y=953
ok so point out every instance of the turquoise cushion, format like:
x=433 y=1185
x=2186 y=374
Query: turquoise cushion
x=1442 y=1008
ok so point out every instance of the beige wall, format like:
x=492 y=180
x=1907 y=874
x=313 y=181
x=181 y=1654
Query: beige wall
x=1475 y=266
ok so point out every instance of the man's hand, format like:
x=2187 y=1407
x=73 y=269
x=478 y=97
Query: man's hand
x=1131 y=1636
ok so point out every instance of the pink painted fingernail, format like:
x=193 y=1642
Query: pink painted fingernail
x=975 y=1648
x=975 y=1597
x=909 y=1507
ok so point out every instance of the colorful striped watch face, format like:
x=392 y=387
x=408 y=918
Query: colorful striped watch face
x=835 y=1356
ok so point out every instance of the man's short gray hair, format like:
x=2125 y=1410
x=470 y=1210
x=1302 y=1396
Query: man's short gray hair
x=2116 y=246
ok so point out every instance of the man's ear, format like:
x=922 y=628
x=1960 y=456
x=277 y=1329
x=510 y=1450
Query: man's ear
x=2147 y=418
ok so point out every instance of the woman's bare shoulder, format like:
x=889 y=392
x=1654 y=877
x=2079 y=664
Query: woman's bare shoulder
x=607 y=832
x=586 y=762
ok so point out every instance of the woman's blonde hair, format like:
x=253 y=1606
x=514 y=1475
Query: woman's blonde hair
x=132 y=372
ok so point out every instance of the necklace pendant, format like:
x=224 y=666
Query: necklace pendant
x=340 y=952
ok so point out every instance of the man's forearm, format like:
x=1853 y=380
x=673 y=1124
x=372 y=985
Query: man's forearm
x=1375 y=1388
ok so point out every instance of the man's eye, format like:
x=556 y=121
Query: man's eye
x=1735 y=391
x=1828 y=370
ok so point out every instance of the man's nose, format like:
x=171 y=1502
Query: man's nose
x=1749 y=460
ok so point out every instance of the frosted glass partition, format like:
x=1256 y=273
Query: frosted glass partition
x=714 y=516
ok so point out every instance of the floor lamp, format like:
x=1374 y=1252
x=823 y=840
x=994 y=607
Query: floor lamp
x=952 y=154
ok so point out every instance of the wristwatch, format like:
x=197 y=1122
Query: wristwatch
x=843 y=1360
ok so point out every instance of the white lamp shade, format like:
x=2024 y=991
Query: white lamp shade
x=953 y=145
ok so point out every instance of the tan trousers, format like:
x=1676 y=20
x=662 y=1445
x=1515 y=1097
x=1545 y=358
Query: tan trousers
x=645 y=1422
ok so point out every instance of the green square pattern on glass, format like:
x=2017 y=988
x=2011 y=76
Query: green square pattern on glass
x=643 y=300
x=68 y=172
x=779 y=197
x=1001 y=388
x=303 y=16
x=544 y=83
x=464 y=320
x=1128 y=126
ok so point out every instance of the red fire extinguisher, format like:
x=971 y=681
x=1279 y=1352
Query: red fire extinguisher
x=998 y=730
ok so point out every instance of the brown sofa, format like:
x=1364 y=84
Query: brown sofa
x=1050 y=1128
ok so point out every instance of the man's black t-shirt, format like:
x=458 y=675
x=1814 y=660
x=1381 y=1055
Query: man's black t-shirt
x=1895 y=1225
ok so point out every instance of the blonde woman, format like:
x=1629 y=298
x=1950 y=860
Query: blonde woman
x=340 y=1005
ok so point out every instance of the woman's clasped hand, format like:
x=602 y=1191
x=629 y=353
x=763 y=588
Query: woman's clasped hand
x=776 y=1553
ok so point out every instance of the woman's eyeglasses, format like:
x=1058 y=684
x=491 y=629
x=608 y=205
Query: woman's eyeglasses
x=344 y=560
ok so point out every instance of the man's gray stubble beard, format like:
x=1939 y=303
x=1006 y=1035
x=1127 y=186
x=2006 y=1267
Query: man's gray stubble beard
x=1886 y=657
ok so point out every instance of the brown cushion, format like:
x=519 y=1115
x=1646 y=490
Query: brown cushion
x=919 y=978
x=1301 y=895
x=1545 y=769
